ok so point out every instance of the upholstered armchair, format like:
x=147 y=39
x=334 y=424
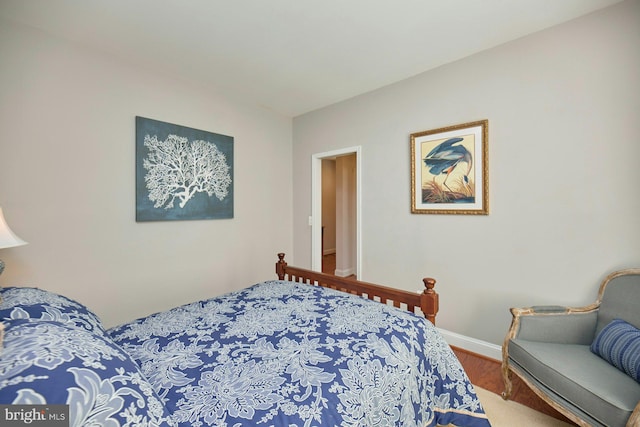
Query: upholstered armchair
x=584 y=362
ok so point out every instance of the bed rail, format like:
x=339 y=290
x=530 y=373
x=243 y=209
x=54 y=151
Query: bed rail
x=427 y=300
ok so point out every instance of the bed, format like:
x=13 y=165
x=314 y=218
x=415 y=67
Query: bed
x=307 y=349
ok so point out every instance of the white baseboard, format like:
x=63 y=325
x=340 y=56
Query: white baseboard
x=483 y=348
x=344 y=273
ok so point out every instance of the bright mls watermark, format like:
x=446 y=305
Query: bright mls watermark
x=34 y=415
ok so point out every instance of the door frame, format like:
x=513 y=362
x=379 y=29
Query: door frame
x=316 y=206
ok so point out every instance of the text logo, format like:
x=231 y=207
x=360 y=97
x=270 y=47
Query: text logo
x=34 y=415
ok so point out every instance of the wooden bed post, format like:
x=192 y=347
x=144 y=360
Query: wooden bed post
x=280 y=265
x=429 y=300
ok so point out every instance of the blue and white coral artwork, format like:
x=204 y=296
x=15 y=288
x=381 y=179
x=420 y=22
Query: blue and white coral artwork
x=182 y=173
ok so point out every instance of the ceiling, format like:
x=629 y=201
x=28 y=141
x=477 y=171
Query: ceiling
x=293 y=56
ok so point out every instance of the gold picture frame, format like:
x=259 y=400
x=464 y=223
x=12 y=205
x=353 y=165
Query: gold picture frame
x=449 y=170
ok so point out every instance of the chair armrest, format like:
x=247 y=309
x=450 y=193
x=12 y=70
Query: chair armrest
x=542 y=309
x=554 y=324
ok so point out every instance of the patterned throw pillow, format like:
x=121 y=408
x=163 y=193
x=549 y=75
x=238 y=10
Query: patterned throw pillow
x=619 y=344
x=47 y=362
x=34 y=303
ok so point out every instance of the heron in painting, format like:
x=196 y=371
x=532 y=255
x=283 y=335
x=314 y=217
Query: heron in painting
x=445 y=157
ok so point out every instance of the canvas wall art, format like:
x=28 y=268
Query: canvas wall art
x=182 y=173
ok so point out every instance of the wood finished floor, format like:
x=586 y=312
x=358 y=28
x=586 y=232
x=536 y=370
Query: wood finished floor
x=483 y=371
x=487 y=373
x=329 y=263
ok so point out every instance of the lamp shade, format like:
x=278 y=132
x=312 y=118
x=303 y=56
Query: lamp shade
x=8 y=239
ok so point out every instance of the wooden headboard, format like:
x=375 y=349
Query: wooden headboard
x=427 y=300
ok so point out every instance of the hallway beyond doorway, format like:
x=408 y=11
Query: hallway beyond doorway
x=329 y=265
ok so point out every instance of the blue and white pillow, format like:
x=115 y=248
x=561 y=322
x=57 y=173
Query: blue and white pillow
x=46 y=362
x=619 y=344
x=38 y=304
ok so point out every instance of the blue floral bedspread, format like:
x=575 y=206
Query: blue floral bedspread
x=285 y=354
x=55 y=351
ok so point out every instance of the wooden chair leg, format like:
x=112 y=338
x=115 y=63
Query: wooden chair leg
x=506 y=379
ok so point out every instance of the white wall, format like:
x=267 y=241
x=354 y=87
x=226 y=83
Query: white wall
x=563 y=107
x=67 y=172
x=346 y=216
x=329 y=206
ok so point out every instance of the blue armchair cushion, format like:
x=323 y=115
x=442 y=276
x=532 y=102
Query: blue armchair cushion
x=619 y=344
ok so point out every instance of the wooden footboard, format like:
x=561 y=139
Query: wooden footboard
x=426 y=301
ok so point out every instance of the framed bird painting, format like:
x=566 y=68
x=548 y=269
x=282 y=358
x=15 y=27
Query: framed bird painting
x=449 y=170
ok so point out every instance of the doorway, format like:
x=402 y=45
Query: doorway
x=347 y=227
